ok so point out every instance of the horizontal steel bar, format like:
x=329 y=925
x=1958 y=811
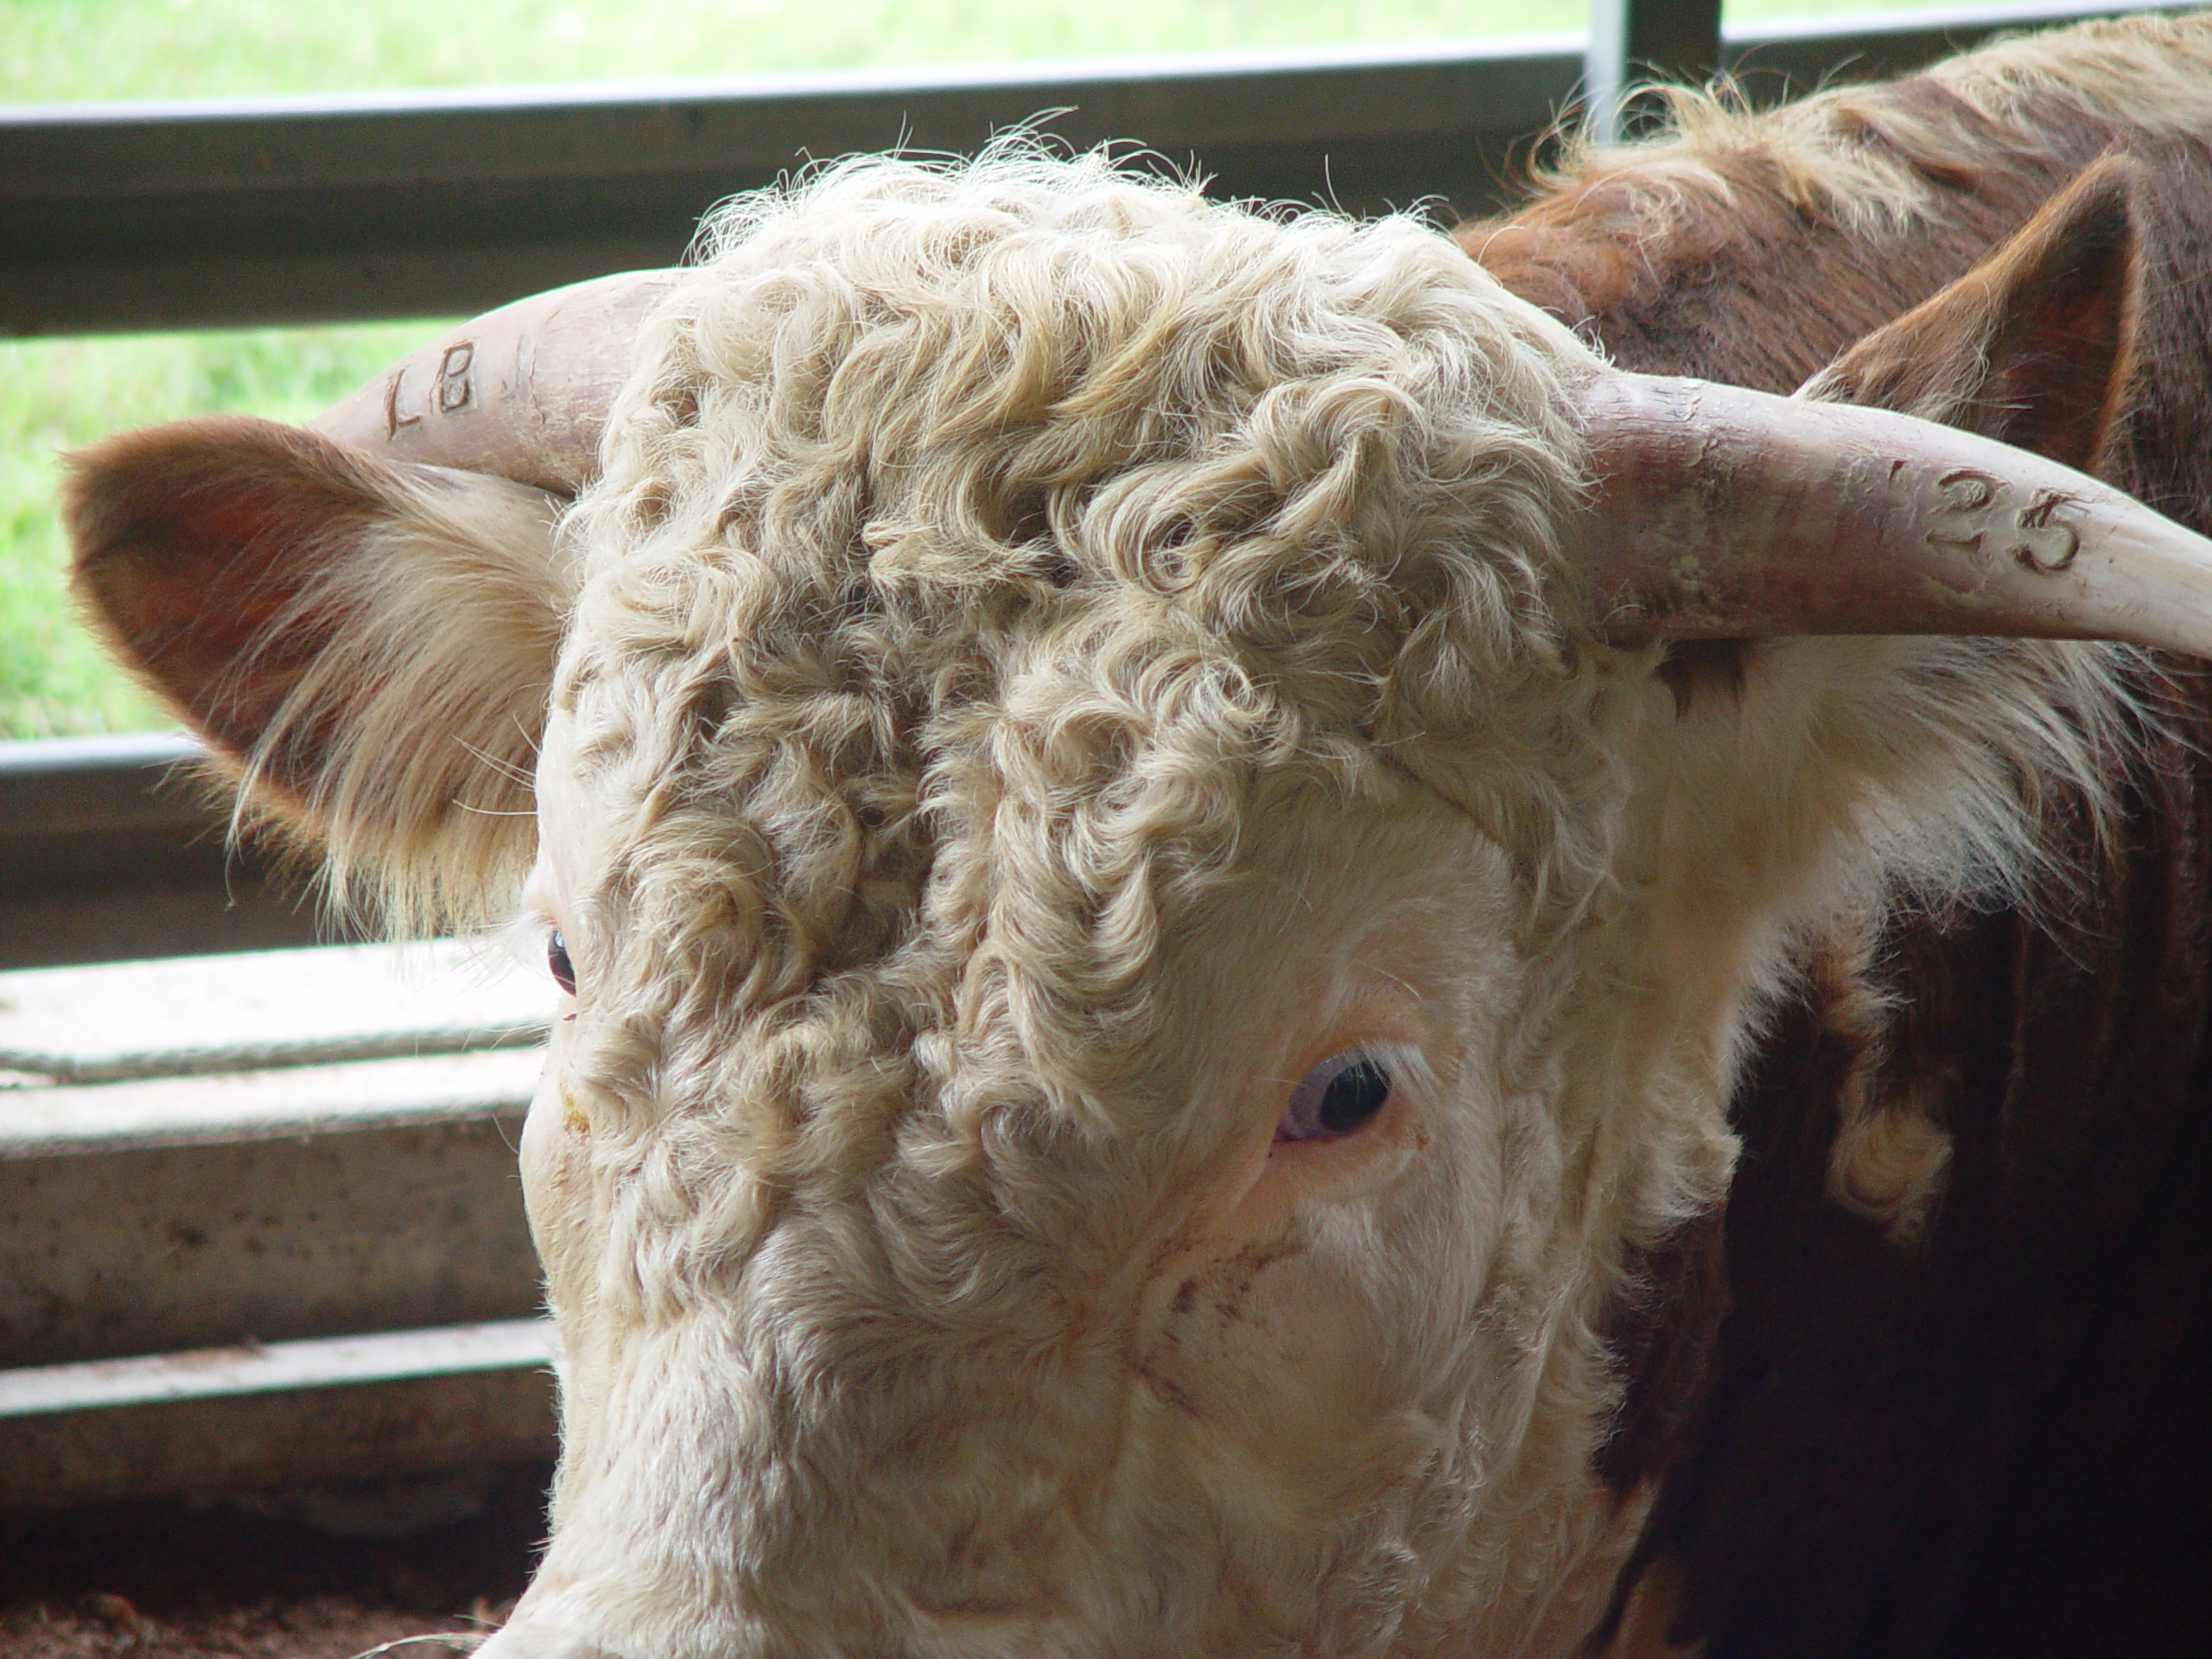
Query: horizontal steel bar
x=131 y=216
x=237 y=907
x=59 y=795
x=397 y=1403
x=110 y=849
x=169 y=217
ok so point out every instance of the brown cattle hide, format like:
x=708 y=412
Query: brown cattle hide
x=1994 y=1435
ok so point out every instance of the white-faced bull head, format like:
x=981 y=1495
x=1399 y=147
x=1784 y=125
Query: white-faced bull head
x=1145 y=943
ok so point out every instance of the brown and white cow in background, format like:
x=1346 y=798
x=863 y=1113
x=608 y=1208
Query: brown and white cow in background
x=1165 y=832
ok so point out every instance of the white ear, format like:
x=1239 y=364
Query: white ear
x=366 y=645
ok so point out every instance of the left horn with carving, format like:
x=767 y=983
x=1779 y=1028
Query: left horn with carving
x=360 y=617
x=1721 y=512
x=521 y=392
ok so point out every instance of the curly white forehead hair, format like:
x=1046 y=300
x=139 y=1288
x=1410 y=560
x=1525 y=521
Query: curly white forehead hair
x=1017 y=520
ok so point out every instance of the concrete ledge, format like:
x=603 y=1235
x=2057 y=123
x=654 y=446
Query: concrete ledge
x=112 y=1021
x=397 y=1403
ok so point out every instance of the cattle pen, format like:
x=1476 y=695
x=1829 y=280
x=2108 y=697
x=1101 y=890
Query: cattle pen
x=260 y=1229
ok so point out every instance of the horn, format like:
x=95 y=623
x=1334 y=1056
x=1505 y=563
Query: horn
x=1721 y=513
x=521 y=392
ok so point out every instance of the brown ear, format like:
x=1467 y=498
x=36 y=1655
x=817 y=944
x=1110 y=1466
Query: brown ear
x=366 y=645
x=2032 y=347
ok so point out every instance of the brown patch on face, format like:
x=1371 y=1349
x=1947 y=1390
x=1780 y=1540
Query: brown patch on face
x=1233 y=1278
x=1168 y=1389
x=1220 y=1290
x=1660 y=1331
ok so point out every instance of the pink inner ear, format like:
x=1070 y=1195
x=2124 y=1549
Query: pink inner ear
x=193 y=542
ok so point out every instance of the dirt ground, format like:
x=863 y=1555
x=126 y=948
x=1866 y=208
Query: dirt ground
x=268 y=1577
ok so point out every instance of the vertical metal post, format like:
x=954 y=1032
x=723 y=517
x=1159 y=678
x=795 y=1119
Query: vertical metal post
x=1664 y=40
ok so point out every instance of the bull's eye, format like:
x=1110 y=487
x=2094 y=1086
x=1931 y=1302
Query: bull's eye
x=556 y=961
x=1342 y=1094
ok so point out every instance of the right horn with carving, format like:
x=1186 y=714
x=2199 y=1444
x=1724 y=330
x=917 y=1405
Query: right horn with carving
x=1721 y=512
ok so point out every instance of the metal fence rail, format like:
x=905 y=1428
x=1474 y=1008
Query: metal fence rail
x=304 y=209
x=110 y=849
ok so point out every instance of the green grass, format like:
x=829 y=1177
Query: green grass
x=56 y=394
x=178 y=48
x=65 y=50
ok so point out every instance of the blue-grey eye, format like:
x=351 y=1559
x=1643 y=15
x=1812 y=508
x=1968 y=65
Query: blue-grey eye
x=1342 y=1094
x=556 y=961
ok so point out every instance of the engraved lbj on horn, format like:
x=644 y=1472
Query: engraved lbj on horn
x=1725 y=513
x=522 y=392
